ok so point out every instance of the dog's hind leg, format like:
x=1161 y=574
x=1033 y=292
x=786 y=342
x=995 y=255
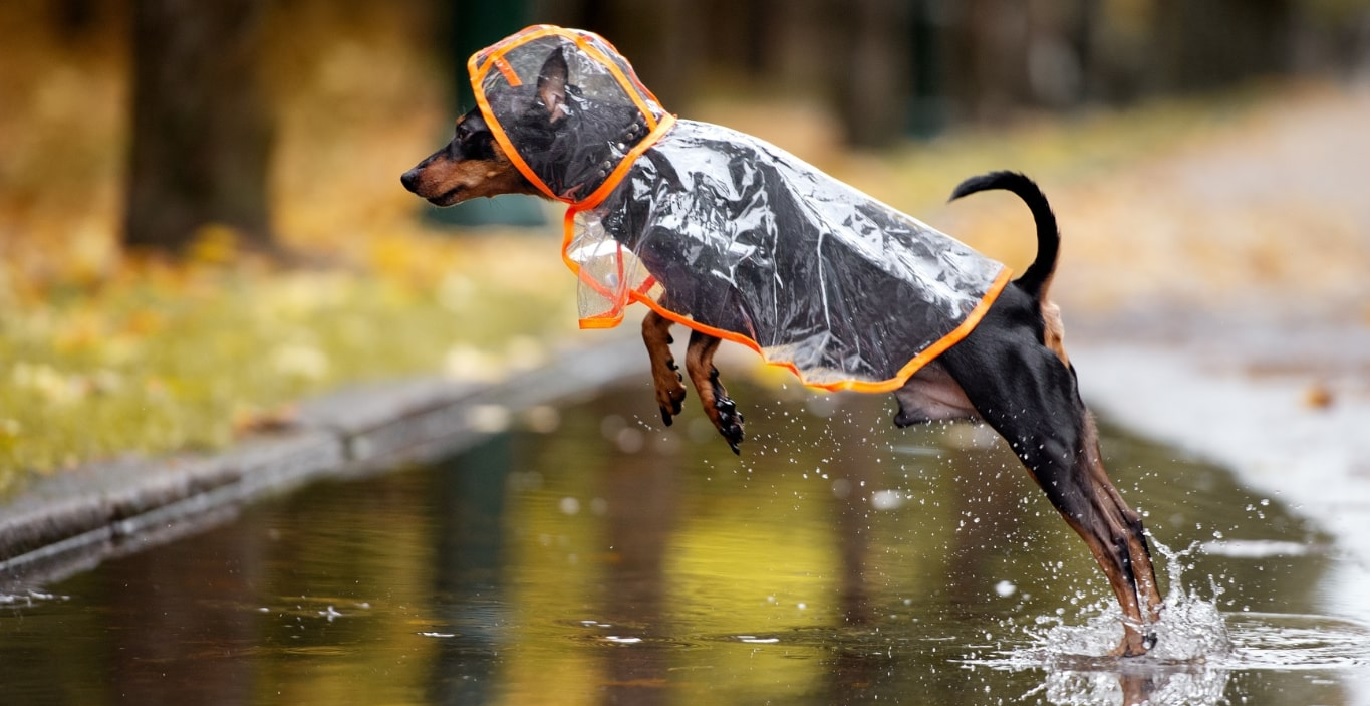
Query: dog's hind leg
x=1027 y=395
x=1139 y=554
x=666 y=378
x=700 y=354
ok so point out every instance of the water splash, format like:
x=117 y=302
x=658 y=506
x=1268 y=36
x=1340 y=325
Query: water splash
x=1197 y=649
x=1190 y=629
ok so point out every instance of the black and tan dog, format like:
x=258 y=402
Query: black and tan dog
x=1010 y=370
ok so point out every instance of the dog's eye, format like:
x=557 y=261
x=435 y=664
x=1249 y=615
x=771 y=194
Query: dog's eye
x=471 y=136
x=471 y=143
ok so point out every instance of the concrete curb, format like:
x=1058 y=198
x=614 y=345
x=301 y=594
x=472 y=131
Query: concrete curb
x=72 y=521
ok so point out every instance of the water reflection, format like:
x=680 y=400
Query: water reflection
x=469 y=602
x=641 y=505
x=609 y=562
x=190 y=648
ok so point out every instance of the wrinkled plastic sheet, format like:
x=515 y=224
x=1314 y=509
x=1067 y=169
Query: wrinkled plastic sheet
x=742 y=237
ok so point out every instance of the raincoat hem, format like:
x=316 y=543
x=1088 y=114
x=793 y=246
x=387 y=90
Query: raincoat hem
x=923 y=358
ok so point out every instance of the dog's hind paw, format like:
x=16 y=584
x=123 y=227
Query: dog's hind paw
x=1134 y=643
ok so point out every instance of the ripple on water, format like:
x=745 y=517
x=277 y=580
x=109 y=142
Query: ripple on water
x=1294 y=642
x=1195 y=633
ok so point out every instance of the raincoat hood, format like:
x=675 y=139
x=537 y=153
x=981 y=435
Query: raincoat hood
x=721 y=231
x=566 y=107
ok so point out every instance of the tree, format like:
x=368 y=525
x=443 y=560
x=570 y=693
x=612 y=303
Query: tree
x=201 y=132
x=875 y=92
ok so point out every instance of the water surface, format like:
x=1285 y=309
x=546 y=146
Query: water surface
x=587 y=556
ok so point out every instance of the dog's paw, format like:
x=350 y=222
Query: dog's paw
x=1134 y=644
x=670 y=393
x=727 y=418
x=671 y=405
x=729 y=421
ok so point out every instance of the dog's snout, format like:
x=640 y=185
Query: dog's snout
x=410 y=180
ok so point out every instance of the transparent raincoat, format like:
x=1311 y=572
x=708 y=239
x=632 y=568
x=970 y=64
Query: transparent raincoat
x=723 y=232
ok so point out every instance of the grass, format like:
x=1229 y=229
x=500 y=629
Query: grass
x=163 y=357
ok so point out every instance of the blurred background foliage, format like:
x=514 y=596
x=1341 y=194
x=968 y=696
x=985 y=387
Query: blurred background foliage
x=200 y=218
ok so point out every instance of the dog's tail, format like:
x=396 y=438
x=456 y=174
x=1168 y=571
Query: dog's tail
x=1036 y=279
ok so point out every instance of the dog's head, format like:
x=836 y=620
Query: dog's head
x=474 y=164
x=553 y=138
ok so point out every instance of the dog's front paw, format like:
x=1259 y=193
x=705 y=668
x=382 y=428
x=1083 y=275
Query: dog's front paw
x=729 y=422
x=669 y=391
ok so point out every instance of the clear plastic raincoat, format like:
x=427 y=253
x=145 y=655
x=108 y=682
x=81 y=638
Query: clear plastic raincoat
x=723 y=232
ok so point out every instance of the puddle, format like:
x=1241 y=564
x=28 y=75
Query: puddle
x=585 y=555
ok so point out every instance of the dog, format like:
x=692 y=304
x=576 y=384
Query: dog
x=996 y=356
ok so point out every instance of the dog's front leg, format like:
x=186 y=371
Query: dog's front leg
x=666 y=378
x=719 y=408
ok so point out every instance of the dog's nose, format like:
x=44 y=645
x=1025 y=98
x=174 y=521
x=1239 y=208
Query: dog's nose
x=408 y=180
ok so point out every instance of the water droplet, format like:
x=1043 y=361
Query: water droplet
x=887 y=500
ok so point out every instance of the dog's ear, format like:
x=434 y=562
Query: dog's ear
x=552 y=85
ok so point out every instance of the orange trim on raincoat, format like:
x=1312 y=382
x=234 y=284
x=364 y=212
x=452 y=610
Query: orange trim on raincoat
x=508 y=71
x=626 y=164
x=930 y=352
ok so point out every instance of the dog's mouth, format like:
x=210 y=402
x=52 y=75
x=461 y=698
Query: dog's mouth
x=448 y=198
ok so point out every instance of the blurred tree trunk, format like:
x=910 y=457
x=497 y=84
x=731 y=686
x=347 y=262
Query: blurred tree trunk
x=993 y=57
x=201 y=132
x=75 y=17
x=1206 y=45
x=876 y=95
